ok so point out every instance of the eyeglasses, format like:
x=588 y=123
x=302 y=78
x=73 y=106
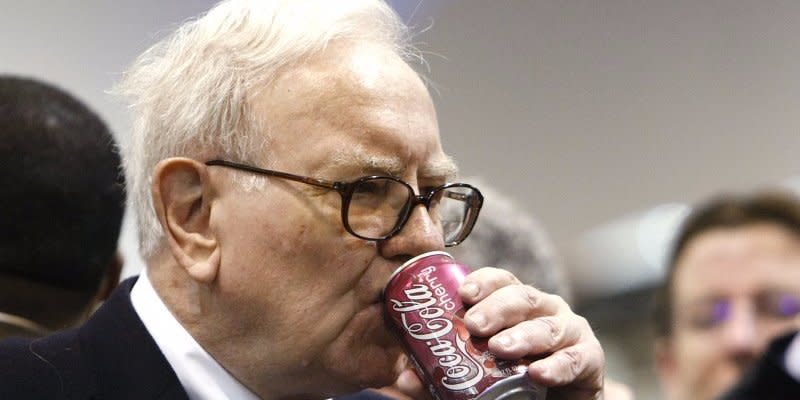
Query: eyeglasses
x=377 y=207
x=713 y=313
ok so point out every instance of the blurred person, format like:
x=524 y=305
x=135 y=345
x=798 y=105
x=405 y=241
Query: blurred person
x=733 y=284
x=62 y=204
x=285 y=159
x=508 y=237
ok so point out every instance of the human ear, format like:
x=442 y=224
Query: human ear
x=182 y=198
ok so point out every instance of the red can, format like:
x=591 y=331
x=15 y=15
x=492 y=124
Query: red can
x=422 y=304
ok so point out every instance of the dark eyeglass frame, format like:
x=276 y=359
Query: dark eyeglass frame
x=346 y=189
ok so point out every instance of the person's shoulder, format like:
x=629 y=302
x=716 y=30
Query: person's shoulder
x=35 y=353
x=38 y=368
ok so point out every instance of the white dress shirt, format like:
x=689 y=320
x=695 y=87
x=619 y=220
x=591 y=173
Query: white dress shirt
x=202 y=377
x=792 y=358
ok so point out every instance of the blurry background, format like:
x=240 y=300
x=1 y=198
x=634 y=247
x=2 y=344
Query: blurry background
x=603 y=119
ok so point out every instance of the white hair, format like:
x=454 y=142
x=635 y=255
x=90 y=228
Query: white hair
x=190 y=93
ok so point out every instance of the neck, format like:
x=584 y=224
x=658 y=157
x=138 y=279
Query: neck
x=204 y=314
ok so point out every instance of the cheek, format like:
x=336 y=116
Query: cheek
x=281 y=232
x=264 y=251
x=696 y=353
x=703 y=366
x=296 y=252
x=296 y=244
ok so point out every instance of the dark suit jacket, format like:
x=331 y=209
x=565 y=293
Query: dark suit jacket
x=768 y=379
x=110 y=357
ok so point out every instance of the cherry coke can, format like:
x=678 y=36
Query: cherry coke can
x=422 y=305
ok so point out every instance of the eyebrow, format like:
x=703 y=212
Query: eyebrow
x=358 y=158
x=440 y=167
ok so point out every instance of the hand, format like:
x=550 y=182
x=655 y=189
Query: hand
x=614 y=390
x=407 y=386
x=522 y=321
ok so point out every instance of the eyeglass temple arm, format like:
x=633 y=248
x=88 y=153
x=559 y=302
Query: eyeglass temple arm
x=467 y=198
x=284 y=175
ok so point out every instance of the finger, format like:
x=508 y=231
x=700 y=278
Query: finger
x=542 y=335
x=510 y=305
x=410 y=386
x=580 y=366
x=479 y=284
x=407 y=386
x=613 y=390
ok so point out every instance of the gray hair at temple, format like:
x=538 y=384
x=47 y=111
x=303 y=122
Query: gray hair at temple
x=190 y=94
x=506 y=236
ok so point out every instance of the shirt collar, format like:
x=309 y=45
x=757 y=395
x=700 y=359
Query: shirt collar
x=792 y=358
x=200 y=375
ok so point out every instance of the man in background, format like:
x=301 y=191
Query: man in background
x=61 y=207
x=733 y=285
x=508 y=237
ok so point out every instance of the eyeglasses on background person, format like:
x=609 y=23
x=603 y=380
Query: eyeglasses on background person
x=712 y=313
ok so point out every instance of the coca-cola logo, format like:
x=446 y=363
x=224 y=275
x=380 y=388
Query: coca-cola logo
x=424 y=319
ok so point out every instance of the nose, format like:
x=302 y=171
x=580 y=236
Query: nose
x=419 y=235
x=740 y=335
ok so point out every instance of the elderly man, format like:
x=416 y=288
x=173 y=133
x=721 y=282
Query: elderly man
x=285 y=160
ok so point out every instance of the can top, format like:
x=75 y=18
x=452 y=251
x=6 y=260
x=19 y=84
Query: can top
x=413 y=260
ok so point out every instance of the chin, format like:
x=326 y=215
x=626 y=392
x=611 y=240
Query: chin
x=375 y=366
x=360 y=372
x=365 y=355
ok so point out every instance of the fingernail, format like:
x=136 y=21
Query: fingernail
x=537 y=370
x=478 y=319
x=504 y=340
x=471 y=289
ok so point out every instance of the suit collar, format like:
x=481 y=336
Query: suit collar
x=123 y=355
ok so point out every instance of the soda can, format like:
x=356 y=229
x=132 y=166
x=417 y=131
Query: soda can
x=422 y=305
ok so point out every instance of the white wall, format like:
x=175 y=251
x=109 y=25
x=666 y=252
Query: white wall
x=84 y=46
x=584 y=111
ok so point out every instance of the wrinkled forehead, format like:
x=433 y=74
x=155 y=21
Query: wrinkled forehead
x=357 y=105
x=741 y=260
x=438 y=166
x=726 y=245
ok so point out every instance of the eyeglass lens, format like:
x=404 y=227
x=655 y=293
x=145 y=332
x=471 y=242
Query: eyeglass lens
x=766 y=305
x=379 y=205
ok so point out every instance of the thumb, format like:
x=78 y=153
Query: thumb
x=409 y=384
